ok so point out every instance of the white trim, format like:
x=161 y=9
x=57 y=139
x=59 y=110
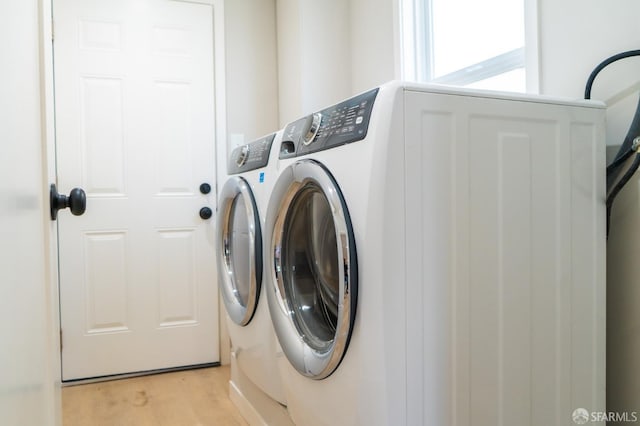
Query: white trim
x=50 y=228
x=397 y=40
x=221 y=146
x=417 y=40
x=408 y=43
x=531 y=47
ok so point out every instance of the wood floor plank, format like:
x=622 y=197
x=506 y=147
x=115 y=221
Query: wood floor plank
x=186 y=398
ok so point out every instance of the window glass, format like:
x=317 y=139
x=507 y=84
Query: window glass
x=467 y=32
x=465 y=43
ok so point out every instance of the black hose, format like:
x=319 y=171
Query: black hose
x=634 y=128
x=603 y=65
x=626 y=149
x=618 y=161
x=632 y=133
x=619 y=185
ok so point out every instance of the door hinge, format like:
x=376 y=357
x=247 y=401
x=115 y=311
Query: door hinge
x=52 y=32
x=60 y=340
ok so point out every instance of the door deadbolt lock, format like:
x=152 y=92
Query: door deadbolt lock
x=205 y=188
x=206 y=213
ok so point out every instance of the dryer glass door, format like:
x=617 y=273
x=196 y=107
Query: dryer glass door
x=240 y=250
x=315 y=270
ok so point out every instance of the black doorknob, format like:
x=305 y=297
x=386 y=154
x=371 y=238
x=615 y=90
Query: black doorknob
x=206 y=213
x=76 y=201
x=205 y=188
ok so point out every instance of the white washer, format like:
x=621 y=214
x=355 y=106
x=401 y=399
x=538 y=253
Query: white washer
x=255 y=385
x=436 y=256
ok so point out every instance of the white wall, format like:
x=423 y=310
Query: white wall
x=251 y=69
x=288 y=58
x=29 y=388
x=330 y=50
x=375 y=43
x=313 y=55
x=574 y=36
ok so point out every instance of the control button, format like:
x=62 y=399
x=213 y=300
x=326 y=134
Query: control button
x=359 y=120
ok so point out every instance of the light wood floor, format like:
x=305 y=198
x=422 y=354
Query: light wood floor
x=185 y=398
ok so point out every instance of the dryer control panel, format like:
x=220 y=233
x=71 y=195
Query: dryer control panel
x=337 y=125
x=254 y=155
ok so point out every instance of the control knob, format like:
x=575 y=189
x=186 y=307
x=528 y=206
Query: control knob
x=313 y=125
x=242 y=156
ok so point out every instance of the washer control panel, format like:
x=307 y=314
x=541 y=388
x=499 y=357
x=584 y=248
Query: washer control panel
x=337 y=125
x=251 y=156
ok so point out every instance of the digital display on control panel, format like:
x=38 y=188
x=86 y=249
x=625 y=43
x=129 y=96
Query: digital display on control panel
x=340 y=124
x=251 y=156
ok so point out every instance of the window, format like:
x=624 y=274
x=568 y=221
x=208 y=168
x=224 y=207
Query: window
x=465 y=43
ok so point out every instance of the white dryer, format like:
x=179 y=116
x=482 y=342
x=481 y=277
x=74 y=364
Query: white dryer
x=255 y=386
x=436 y=256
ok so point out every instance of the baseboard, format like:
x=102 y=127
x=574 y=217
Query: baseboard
x=254 y=405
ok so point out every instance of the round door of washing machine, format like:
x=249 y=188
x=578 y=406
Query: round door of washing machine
x=240 y=250
x=314 y=283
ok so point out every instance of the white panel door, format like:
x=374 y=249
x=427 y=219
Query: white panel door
x=134 y=86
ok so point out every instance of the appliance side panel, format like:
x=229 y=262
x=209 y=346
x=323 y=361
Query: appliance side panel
x=536 y=262
x=505 y=285
x=501 y=237
x=500 y=240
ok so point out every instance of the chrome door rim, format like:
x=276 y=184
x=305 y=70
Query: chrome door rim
x=309 y=361
x=233 y=188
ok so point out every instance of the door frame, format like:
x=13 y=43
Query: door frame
x=47 y=33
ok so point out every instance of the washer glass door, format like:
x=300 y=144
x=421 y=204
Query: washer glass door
x=240 y=250
x=315 y=270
